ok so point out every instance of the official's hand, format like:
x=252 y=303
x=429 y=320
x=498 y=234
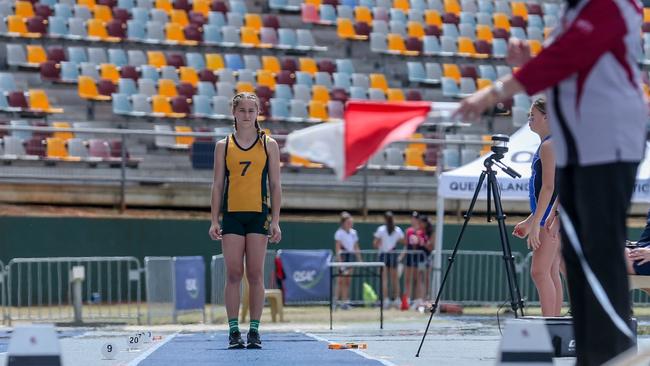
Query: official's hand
x=472 y=107
x=275 y=234
x=518 y=52
x=215 y=231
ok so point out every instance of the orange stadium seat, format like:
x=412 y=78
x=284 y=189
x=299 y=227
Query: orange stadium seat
x=214 y=61
x=244 y=86
x=55 y=148
x=90 y=4
x=184 y=140
x=167 y=88
x=103 y=13
x=179 y=17
x=318 y=110
x=362 y=14
x=253 y=21
x=35 y=55
x=39 y=102
x=64 y=135
x=201 y=6
x=266 y=78
x=320 y=93
x=249 y=37
x=174 y=34
x=466 y=47
x=432 y=17
x=87 y=89
x=109 y=72
x=519 y=9
x=378 y=81
x=402 y=5
x=452 y=6
x=451 y=71
x=16 y=26
x=161 y=107
x=164 y=5
x=501 y=21
x=271 y=63
x=483 y=32
x=395 y=43
x=24 y=9
x=156 y=59
x=483 y=83
x=415 y=29
x=308 y=65
x=189 y=75
x=395 y=95
x=535 y=46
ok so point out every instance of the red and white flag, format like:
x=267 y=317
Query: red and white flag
x=367 y=128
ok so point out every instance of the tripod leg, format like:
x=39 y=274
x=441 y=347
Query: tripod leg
x=468 y=216
x=513 y=285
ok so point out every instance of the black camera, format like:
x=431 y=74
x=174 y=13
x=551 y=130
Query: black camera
x=500 y=144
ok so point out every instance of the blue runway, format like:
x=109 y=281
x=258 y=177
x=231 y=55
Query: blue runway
x=285 y=349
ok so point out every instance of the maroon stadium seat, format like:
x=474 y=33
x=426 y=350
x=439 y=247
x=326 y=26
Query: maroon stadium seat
x=264 y=91
x=43 y=11
x=116 y=28
x=99 y=148
x=414 y=44
x=197 y=18
x=110 y=3
x=431 y=156
x=500 y=33
x=181 y=104
x=35 y=146
x=413 y=94
x=468 y=71
x=285 y=77
x=207 y=75
x=535 y=9
x=339 y=94
x=334 y=3
x=362 y=29
x=450 y=18
x=122 y=15
x=193 y=32
x=37 y=24
x=175 y=59
x=289 y=64
x=433 y=30
x=50 y=71
x=646 y=27
x=106 y=87
x=182 y=5
x=326 y=65
x=17 y=99
x=270 y=21
x=517 y=21
x=186 y=89
x=56 y=54
x=483 y=47
x=220 y=6
x=129 y=72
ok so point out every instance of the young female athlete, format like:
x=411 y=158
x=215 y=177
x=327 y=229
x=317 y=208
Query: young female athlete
x=544 y=242
x=244 y=162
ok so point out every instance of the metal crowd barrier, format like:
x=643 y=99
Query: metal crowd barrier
x=41 y=289
x=218 y=280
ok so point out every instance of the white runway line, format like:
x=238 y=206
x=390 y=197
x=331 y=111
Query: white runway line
x=359 y=352
x=151 y=350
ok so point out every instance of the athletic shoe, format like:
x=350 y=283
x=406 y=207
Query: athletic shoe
x=254 y=341
x=387 y=303
x=235 y=341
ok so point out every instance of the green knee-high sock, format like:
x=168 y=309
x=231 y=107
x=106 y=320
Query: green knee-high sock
x=233 y=324
x=255 y=325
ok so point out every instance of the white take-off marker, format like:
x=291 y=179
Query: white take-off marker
x=133 y=342
x=34 y=345
x=109 y=351
x=525 y=342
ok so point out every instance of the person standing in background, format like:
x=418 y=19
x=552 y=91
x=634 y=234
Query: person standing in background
x=386 y=238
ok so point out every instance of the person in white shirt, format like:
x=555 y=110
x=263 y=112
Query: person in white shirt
x=347 y=250
x=386 y=238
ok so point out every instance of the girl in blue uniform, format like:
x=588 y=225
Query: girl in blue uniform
x=543 y=240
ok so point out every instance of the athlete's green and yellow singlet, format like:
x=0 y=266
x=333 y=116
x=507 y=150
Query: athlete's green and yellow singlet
x=246 y=176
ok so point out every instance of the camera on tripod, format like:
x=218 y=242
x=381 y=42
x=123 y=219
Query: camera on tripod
x=500 y=144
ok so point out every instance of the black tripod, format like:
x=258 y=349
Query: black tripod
x=493 y=191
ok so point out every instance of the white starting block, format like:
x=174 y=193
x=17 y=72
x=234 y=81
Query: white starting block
x=109 y=351
x=133 y=341
x=34 y=345
x=525 y=342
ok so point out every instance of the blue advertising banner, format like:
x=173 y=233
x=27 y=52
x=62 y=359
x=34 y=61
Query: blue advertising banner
x=189 y=275
x=307 y=275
